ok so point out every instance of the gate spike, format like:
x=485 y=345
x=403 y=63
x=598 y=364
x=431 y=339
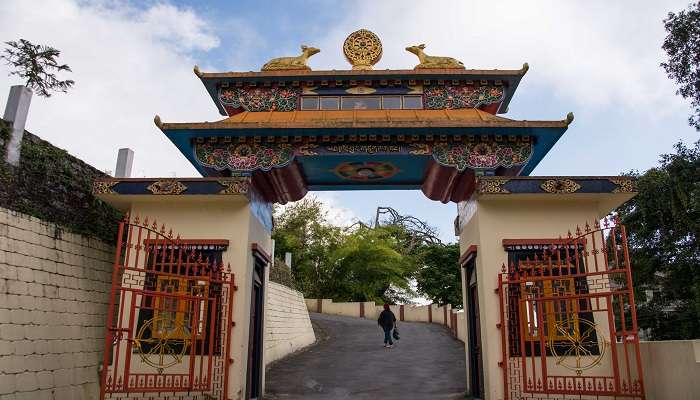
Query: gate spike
x=587 y=227
x=162 y=229
x=126 y=217
x=617 y=219
x=228 y=267
x=170 y=233
x=578 y=231
x=155 y=225
x=569 y=235
x=503 y=268
x=596 y=224
x=606 y=224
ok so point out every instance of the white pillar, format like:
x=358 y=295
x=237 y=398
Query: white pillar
x=125 y=159
x=288 y=259
x=16 y=113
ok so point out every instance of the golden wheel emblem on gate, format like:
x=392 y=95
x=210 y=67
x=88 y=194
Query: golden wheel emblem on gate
x=362 y=49
x=577 y=350
x=166 y=349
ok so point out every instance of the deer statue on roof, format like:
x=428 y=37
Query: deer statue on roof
x=298 y=62
x=428 y=62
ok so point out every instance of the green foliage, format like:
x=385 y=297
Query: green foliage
x=682 y=44
x=663 y=225
x=439 y=277
x=367 y=266
x=362 y=264
x=280 y=273
x=303 y=230
x=54 y=186
x=35 y=64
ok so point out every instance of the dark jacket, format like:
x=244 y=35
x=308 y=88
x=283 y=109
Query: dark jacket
x=386 y=319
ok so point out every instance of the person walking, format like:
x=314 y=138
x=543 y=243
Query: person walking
x=387 y=320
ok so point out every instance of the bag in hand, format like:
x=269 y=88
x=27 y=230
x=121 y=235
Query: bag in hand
x=395 y=334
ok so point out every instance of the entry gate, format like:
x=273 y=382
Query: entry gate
x=170 y=316
x=568 y=319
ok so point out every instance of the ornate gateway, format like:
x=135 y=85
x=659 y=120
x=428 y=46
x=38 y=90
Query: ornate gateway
x=568 y=318
x=170 y=312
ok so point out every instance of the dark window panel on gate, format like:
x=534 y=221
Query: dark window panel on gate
x=361 y=103
x=555 y=312
x=309 y=103
x=412 y=102
x=330 y=103
x=391 y=102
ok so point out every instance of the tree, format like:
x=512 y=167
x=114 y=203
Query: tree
x=682 y=44
x=36 y=64
x=345 y=264
x=367 y=267
x=303 y=230
x=439 y=277
x=663 y=225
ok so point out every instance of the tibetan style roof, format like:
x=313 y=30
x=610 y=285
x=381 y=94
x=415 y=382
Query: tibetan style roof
x=509 y=79
x=463 y=118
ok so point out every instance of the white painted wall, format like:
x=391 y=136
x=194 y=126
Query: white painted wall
x=287 y=324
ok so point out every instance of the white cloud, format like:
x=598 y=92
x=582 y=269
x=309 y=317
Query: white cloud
x=336 y=213
x=593 y=53
x=128 y=65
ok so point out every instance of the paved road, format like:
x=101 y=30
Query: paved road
x=427 y=363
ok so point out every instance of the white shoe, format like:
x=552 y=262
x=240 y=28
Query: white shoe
x=391 y=346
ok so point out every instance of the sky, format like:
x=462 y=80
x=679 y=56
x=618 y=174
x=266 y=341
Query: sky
x=132 y=60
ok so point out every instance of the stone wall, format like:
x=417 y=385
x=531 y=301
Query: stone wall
x=54 y=186
x=287 y=324
x=54 y=288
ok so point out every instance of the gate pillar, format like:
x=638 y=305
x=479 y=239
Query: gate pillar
x=524 y=211
x=222 y=217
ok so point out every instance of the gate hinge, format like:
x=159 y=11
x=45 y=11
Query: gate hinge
x=500 y=364
x=498 y=325
x=230 y=360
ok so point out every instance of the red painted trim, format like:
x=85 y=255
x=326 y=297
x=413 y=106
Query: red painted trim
x=444 y=319
x=430 y=313
x=319 y=305
x=401 y=312
x=215 y=242
x=525 y=242
x=465 y=256
x=259 y=252
x=362 y=310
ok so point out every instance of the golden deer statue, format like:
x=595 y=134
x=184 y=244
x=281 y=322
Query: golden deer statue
x=428 y=62
x=298 y=62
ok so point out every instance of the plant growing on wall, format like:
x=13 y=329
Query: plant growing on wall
x=37 y=65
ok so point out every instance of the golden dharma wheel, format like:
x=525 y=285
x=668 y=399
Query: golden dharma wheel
x=362 y=49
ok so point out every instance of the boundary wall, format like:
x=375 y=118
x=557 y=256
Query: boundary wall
x=287 y=324
x=455 y=320
x=54 y=291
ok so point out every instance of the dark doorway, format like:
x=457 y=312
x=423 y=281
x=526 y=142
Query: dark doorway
x=476 y=376
x=255 y=339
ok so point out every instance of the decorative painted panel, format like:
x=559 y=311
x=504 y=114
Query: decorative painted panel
x=261 y=99
x=244 y=157
x=459 y=155
x=482 y=155
x=454 y=97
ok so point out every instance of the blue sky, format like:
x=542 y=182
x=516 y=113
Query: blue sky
x=132 y=60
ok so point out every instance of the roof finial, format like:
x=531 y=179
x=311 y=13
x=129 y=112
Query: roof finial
x=158 y=122
x=569 y=118
x=197 y=71
x=525 y=68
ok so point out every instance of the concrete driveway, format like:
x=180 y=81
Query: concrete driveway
x=350 y=363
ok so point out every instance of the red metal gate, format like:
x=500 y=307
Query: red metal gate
x=170 y=316
x=568 y=318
